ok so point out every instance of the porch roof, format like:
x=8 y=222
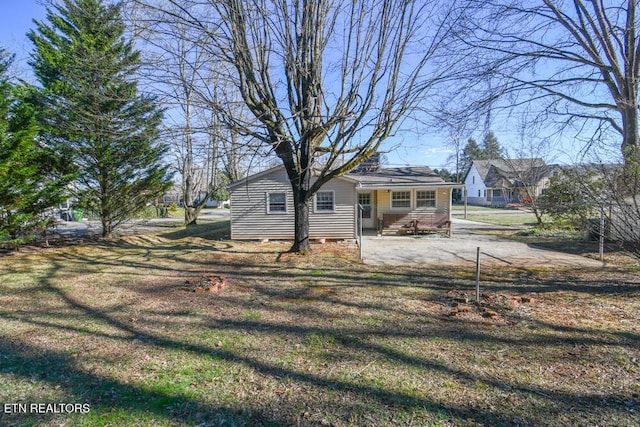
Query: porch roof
x=403 y=177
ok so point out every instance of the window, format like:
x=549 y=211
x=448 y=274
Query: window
x=400 y=199
x=324 y=201
x=425 y=199
x=479 y=193
x=276 y=202
x=497 y=193
x=473 y=179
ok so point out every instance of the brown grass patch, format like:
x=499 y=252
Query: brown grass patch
x=318 y=340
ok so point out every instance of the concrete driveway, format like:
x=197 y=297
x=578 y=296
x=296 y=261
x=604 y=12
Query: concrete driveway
x=461 y=249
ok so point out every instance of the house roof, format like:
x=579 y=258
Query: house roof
x=409 y=176
x=484 y=166
x=503 y=173
x=416 y=176
x=254 y=176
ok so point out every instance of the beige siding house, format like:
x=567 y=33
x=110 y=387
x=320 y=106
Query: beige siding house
x=262 y=204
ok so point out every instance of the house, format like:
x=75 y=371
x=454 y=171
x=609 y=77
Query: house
x=500 y=181
x=175 y=196
x=262 y=204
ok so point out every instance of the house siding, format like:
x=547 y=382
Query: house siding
x=475 y=183
x=339 y=224
x=250 y=220
x=443 y=202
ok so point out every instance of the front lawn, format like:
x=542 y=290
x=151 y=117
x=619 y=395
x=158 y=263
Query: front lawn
x=305 y=341
x=516 y=219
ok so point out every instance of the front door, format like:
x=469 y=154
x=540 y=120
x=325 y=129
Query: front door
x=365 y=201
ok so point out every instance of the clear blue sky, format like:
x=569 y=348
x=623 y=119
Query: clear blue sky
x=417 y=148
x=16 y=20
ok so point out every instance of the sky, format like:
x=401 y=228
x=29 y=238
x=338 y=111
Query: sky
x=16 y=20
x=419 y=147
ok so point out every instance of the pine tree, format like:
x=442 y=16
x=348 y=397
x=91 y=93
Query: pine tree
x=30 y=180
x=93 y=111
x=491 y=149
x=470 y=152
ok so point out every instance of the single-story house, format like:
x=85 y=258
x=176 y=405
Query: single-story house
x=174 y=196
x=262 y=204
x=500 y=181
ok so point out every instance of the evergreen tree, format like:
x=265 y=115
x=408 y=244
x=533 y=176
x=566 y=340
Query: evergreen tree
x=470 y=152
x=491 y=148
x=30 y=182
x=93 y=111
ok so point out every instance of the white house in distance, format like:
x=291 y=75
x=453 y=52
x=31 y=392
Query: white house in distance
x=500 y=181
x=262 y=204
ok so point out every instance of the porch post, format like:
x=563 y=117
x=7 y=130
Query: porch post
x=360 y=228
x=464 y=190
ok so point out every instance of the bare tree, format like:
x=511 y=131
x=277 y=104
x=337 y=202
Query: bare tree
x=457 y=128
x=324 y=81
x=182 y=69
x=589 y=196
x=529 y=172
x=620 y=206
x=574 y=62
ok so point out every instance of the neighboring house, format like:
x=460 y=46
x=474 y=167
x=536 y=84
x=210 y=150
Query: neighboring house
x=210 y=203
x=174 y=195
x=262 y=204
x=500 y=181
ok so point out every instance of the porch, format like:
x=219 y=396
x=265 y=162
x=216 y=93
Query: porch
x=406 y=210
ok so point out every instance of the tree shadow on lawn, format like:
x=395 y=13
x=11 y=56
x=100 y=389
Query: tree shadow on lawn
x=105 y=395
x=520 y=279
x=264 y=267
x=215 y=230
x=31 y=362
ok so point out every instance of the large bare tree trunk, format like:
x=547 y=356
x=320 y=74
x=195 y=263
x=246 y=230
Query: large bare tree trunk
x=323 y=82
x=630 y=142
x=301 y=242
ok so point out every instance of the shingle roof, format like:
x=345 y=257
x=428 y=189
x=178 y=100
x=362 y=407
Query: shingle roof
x=409 y=176
x=502 y=173
x=484 y=166
x=396 y=177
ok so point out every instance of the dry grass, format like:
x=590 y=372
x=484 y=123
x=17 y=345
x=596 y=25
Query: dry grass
x=319 y=340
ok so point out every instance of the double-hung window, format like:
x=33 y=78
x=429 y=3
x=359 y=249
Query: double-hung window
x=276 y=203
x=324 y=201
x=400 y=199
x=425 y=199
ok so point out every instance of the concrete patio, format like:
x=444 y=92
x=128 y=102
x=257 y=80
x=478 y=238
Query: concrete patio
x=461 y=249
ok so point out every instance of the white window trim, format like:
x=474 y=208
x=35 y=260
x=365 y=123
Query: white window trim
x=315 y=202
x=401 y=207
x=435 y=200
x=286 y=203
